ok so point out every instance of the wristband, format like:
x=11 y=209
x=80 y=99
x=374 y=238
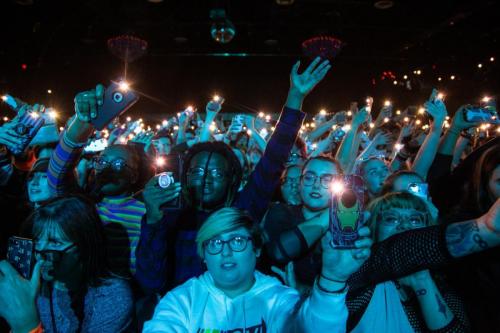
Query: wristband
x=340 y=291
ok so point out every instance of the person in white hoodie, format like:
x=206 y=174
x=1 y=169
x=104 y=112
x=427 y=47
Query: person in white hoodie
x=233 y=297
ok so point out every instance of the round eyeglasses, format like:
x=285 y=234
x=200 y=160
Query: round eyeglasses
x=236 y=244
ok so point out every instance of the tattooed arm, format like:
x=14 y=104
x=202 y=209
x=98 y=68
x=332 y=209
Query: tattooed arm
x=434 y=309
x=477 y=235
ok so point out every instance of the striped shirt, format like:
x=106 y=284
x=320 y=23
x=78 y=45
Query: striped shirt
x=121 y=216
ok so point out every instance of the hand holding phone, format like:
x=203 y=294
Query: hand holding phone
x=20 y=254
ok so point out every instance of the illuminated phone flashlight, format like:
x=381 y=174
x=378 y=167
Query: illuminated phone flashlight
x=372 y=125
x=446 y=124
x=314 y=146
x=160 y=161
x=421 y=111
x=158 y=126
x=268 y=118
x=249 y=132
x=164 y=123
x=4 y=98
x=5 y=118
x=123 y=86
x=190 y=108
x=398 y=112
x=349 y=113
x=34 y=115
x=398 y=146
x=123 y=140
x=440 y=96
x=129 y=119
x=261 y=115
x=346 y=127
x=313 y=125
x=53 y=114
x=418 y=122
x=387 y=103
x=386 y=119
x=322 y=112
x=498 y=129
x=273 y=128
x=406 y=119
x=337 y=187
x=176 y=128
x=216 y=98
x=485 y=99
x=212 y=127
x=307 y=124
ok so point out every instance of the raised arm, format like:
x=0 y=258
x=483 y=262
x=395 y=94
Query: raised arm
x=425 y=156
x=258 y=192
x=345 y=150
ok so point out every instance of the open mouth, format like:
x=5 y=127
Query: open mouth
x=228 y=266
x=315 y=195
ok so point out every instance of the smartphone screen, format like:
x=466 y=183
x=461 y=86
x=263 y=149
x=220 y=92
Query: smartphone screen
x=20 y=254
x=173 y=164
x=346 y=210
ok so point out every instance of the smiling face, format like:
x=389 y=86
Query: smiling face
x=315 y=195
x=38 y=188
x=232 y=270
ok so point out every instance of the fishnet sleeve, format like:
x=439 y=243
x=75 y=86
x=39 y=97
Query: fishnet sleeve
x=403 y=254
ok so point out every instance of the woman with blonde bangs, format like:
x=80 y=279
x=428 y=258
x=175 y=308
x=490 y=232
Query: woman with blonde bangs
x=232 y=296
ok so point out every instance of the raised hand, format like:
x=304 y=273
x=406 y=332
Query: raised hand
x=436 y=108
x=287 y=275
x=155 y=196
x=8 y=135
x=360 y=117
x=303 y=83
x=86 y=103
x=17 y=297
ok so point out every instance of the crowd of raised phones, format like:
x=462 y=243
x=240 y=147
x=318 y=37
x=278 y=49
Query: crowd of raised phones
x=365 y=220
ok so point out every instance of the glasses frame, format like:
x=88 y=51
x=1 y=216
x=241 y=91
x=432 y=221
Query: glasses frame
x=228 y=242
x=109 y=164
x=323 y=182
x=211 y=171
x=405 y=220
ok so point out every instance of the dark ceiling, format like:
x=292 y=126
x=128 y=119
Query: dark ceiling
x=63 y=44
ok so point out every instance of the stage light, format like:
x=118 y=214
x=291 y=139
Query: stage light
x=222 y=29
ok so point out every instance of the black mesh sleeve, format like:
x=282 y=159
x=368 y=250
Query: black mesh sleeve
x=403 y=254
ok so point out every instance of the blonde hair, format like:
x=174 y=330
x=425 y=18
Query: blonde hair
x=403 y=200
x=225 y=220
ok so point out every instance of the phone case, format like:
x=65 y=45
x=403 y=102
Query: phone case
x=479 y=114
x=116 y=102
x=346 y=211
x=173 y=165
x=27 y=127
x=20 y=254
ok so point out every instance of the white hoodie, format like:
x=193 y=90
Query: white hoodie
x=198 y=306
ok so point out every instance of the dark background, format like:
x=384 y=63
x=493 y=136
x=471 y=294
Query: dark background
x=63 y=44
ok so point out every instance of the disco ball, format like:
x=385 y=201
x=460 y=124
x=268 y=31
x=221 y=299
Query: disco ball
x=127 y=48
x=326 y=47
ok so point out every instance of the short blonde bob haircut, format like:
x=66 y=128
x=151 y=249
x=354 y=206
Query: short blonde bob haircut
x=403 y=200
x=225 y=220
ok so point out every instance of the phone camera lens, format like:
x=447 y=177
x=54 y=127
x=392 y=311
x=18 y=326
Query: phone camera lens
x=117 y=97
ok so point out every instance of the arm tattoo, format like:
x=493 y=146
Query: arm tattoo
x=441 y=305
x=463 y=239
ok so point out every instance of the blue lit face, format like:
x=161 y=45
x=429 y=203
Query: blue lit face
x=233 y=270
x=38 y=188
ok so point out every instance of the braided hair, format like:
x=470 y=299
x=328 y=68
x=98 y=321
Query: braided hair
x=235 y=171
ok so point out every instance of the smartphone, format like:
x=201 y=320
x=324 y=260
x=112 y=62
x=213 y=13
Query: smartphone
x=419 y=189
x=173 y=167
x=237 y=123
x=341 y=117
x=116 y=101
x=20 y=254
x=27 y=127
x=96 y=146
x=474 y=113
x=346 y=210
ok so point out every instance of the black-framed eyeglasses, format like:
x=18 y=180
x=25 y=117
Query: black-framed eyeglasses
x=237 y=244
x=415 y=219
x=53 y=254
x=117 y=165
x=199 y=172
x=309 y=179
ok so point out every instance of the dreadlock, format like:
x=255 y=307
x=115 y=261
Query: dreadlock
x=235 y=171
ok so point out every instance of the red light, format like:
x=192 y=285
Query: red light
x=24 y=67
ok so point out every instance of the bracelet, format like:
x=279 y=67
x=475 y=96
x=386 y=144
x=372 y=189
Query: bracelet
x=340 y=291
x=338 y=281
